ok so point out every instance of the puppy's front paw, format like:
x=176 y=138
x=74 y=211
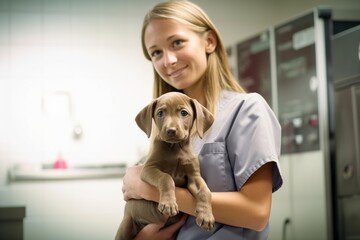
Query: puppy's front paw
x=205 y=220
x=169 y=208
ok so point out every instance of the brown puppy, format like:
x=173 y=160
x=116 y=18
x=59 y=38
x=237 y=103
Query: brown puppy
x=171 y=162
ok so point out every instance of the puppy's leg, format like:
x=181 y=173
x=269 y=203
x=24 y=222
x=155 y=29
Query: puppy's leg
x=199 y=189
x=166 y=186
x=126 y=229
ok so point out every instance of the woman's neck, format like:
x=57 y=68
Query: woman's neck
x=196 y=91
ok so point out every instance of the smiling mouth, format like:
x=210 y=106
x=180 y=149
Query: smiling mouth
x=177 y=72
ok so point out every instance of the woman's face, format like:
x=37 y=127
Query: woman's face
x=178 y=54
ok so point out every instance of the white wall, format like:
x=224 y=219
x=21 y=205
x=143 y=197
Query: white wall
x=91 y=50
x=87 y=49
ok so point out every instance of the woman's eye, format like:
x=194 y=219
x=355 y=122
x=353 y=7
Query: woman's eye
x=154 y=54
x=160 y=114
x=184 y=113
x=177 y=43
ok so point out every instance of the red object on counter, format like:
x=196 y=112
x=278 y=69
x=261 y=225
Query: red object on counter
x=313 y=121
x=60 y=163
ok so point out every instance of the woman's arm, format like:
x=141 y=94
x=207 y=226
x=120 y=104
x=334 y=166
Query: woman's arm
x=248 y=208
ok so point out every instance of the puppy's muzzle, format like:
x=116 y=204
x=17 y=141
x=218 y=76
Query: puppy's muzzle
x=171 y=132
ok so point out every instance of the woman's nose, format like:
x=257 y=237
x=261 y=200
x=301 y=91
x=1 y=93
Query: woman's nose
x=170 y=58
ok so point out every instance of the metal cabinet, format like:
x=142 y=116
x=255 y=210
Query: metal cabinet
x=290 y=64
x=346 y=70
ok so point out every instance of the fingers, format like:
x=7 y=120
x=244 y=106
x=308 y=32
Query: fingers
x=170 y=230
x=157 y=232
x=153 y=227
x=123 y=188
x=125 y=195
x=130 y=179
x=150 y=231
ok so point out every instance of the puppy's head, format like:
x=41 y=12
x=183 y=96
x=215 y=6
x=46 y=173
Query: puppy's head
x=174 y=115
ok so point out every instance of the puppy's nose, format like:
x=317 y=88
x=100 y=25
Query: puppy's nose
x=171 y=132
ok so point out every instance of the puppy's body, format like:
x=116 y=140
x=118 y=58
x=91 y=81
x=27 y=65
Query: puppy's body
x=171 y=163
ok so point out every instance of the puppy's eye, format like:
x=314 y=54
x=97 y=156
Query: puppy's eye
x=184 y=113
x=160 y=113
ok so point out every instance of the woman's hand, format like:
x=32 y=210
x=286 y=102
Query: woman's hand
x=131 y=183
x=157 y=232
x=134 y=187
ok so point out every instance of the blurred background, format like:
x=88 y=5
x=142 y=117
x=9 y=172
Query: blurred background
x=72 y=79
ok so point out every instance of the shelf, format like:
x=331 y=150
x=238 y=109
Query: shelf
x=85 y=172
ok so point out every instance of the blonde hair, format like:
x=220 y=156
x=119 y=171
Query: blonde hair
x=218 y=75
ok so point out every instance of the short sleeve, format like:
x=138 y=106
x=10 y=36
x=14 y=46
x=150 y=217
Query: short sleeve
x=254 y=139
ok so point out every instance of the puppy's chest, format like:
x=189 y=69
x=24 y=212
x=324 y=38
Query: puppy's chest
x=179 y=165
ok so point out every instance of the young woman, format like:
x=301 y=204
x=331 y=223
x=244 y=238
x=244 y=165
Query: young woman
x=239 y=155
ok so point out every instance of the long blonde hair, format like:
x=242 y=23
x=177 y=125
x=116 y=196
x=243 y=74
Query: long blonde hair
x=217 y=75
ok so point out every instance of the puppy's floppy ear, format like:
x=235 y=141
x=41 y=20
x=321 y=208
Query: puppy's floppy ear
x=145 y=116
x=203 y=117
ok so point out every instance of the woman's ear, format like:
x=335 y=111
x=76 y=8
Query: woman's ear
x=211 y=41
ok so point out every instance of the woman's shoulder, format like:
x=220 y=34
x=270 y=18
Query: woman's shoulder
x=245 y=106
x=227 y=94
x=235 y=98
